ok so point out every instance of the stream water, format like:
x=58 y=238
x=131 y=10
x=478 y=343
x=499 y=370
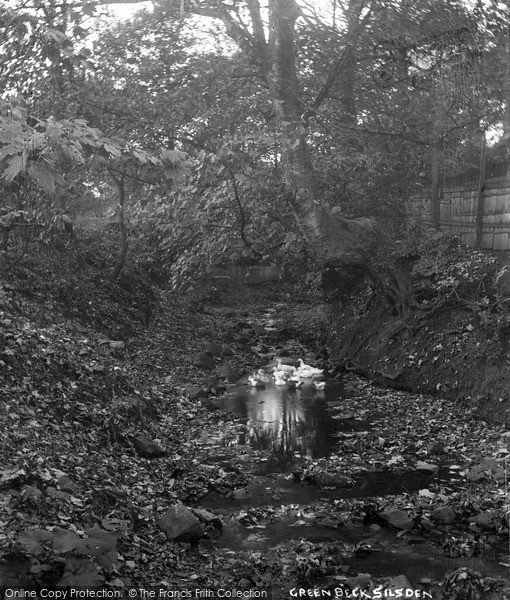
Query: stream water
x=289 y=423
x=292 y=426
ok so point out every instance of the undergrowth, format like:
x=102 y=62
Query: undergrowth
x=72 y=282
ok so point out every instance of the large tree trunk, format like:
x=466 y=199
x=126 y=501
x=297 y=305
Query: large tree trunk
x=350 y=61
x=336 y=243
x=285 y=93
x=275 y=55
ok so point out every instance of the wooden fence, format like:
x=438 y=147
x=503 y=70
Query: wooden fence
x=479 y=215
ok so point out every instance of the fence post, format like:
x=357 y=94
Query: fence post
x=435 y=187
x=481 y=193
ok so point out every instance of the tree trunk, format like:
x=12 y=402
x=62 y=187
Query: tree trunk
x=350 y=61
x=121 y=257
x=284 y=89
x=347 y=97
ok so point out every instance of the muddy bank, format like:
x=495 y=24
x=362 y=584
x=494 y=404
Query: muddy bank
x=450 y=354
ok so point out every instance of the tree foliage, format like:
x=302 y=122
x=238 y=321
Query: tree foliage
x=279 y=108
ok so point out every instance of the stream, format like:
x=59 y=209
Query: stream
x=290 y=427
x=290 y=424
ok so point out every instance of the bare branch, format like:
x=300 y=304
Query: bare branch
x=355 y=28
x=242 y=224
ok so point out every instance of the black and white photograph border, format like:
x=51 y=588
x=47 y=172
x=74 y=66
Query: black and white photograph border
x=255 y=299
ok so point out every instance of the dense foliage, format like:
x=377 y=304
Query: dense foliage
x=189 y=136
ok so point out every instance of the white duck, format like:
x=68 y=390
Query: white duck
x=254 y=382
x=306 y=371
x=285 y=368
x=279 y=379
x=283 y=374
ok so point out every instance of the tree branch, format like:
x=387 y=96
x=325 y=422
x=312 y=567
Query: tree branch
x=370 y=131
x=242 y=224
x=233 y=29
x=352 y=36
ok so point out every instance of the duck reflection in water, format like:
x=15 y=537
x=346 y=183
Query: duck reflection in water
x=285 y=421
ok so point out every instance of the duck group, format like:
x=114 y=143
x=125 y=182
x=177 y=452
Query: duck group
x=292 y=377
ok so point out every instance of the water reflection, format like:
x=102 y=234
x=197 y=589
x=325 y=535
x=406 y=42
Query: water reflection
x=286 y=422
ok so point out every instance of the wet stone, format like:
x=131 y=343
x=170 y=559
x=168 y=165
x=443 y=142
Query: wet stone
x=443 y=515
x=208 y=518
x=147 y=448
x=179 y=524
x=482 y=519
x=327 y=479
x=397 y=518
x=239 y=494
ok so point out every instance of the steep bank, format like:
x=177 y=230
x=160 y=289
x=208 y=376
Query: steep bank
x=454 y=353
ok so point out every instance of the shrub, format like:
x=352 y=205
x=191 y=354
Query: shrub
x=446 y=267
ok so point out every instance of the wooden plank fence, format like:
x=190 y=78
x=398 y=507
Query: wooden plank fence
x=459 y=212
